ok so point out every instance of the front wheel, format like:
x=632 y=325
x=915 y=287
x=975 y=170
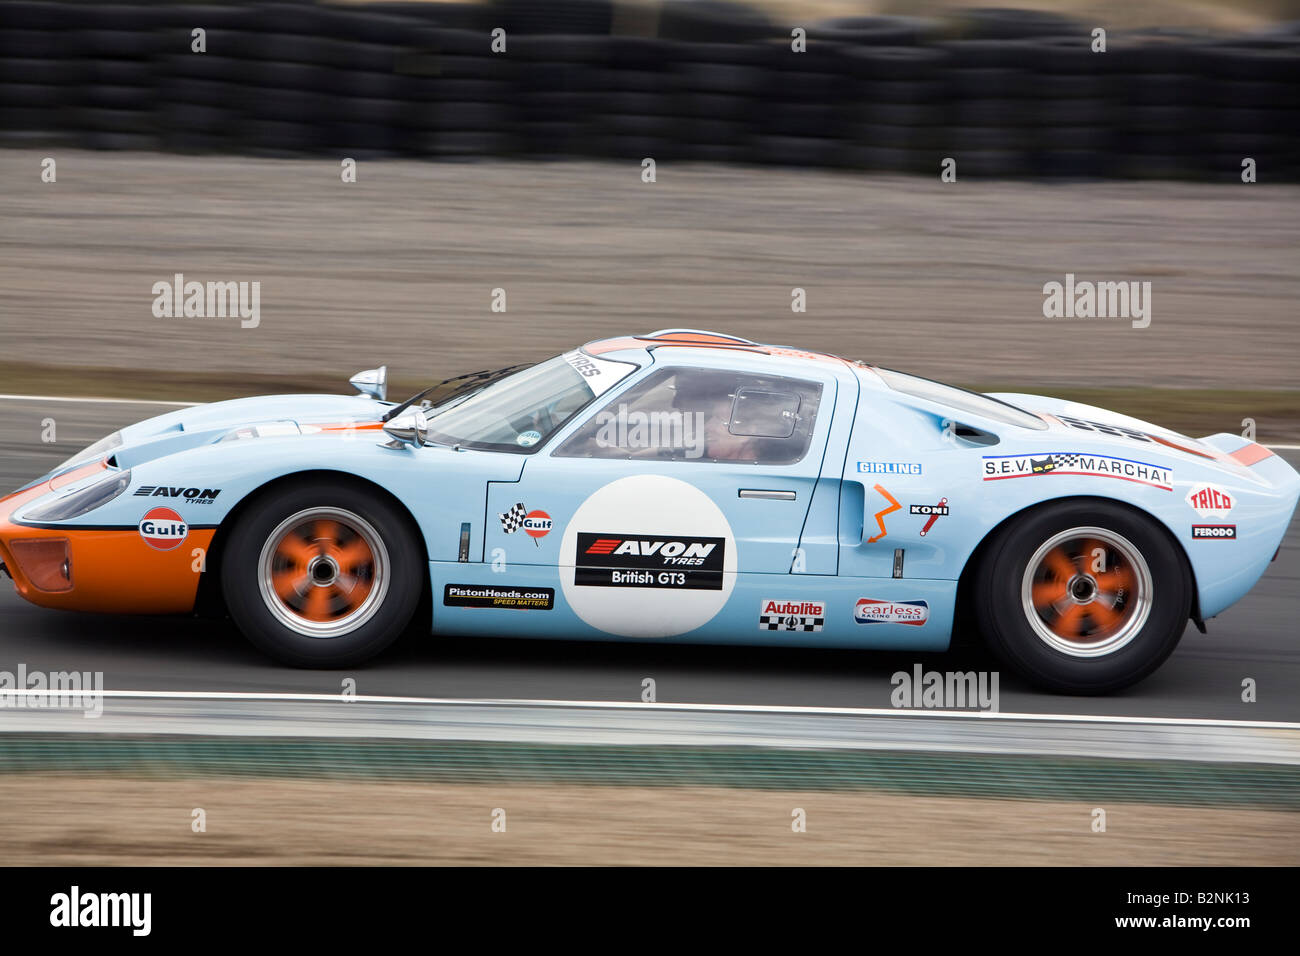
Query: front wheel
x=321 y=574
x=1083 y=597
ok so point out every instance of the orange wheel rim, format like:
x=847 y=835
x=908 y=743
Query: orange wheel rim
x=1087 y=591
x=323 y=571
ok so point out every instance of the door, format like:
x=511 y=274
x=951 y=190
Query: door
x=689 y=484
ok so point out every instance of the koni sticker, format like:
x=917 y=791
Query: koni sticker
x=934 y=513
x=998 y=467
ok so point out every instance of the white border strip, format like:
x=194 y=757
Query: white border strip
x=674 y=707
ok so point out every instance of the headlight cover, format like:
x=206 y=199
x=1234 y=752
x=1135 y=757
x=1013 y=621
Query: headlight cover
x=97 y=450
x=79 y=502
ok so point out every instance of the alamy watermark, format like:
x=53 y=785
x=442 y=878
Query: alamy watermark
x=945 y=690
x=656 y=430
x=53 y=690
x=208 y=300
x=1098 y=300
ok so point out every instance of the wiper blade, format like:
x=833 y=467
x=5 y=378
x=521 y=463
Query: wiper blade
x=471 y=380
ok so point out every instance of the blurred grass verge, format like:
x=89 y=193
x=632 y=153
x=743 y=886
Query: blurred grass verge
x=1193 y=411
x=1093 y=780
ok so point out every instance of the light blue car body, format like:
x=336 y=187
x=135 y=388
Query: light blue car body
x=810 y=558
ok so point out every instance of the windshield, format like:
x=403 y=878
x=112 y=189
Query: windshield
x=959 y=398
x=518 y=413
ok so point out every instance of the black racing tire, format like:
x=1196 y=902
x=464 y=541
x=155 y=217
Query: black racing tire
x=370 y=549
x=1053 y=637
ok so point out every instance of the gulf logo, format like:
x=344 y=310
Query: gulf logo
x=163 y=529
x=537 y=524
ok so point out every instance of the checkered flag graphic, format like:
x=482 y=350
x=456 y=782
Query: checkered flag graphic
x=789 y=622
x=512 y=519
x=1066 y=461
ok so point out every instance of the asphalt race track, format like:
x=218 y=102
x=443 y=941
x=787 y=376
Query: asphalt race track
x=1257 y=638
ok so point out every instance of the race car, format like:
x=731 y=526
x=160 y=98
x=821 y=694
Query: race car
x=678 y=486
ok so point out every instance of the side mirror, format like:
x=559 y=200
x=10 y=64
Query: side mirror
x=408 y=428
x=372 y=382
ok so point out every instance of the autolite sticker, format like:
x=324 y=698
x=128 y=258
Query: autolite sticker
x=1210 y=501
x=870 y=611
x=998 y=467
x=637 y=561
x=791 y=615
x=163 y=529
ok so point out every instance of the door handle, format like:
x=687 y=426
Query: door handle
x=767 y=493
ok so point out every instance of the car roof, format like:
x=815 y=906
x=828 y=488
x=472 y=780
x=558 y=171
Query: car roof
x=702 y=339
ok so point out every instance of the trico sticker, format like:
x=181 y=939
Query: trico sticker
x=1210 y=501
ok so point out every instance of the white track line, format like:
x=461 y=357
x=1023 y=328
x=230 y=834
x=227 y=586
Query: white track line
x=639 y=705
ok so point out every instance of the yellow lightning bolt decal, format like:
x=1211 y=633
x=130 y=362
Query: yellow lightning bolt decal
x=880 y=515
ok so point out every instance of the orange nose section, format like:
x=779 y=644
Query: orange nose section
x=99 y=569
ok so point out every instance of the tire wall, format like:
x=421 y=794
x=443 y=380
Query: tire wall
x=1004 y=94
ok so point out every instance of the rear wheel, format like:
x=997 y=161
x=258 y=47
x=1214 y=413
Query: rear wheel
x=1083 y=597
x=322 y=574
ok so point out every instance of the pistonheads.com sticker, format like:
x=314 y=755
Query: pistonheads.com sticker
x=482 y=595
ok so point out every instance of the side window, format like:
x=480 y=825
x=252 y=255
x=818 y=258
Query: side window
x=709 y=415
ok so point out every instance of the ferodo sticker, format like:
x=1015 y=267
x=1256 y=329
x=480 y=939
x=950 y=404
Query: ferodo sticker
x=647 y=556
x=163 y=529
x=1214 y=532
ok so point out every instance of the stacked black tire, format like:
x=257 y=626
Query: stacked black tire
x=1002 y=93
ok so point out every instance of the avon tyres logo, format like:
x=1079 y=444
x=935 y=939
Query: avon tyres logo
x=1214 y=532
x=998 y=467
x=163 y=529
x=870 y=611
x=619 y=560
x=1210 y=501
x=192 y=496
x=791 y=615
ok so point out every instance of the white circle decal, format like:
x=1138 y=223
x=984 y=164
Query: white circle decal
x=648 y=556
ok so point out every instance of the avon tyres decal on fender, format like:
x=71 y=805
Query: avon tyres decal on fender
x=648 y=556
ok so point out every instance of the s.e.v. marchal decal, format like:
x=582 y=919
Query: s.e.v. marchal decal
x=997 y=467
